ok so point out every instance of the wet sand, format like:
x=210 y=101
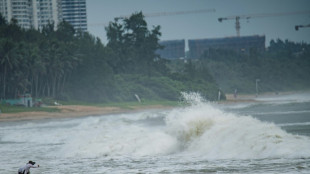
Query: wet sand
x=69 y=111
x=253 y=98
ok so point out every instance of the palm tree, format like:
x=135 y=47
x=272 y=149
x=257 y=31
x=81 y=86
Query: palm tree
x=7 y=60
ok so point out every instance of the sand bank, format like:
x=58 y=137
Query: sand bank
x=68 y=111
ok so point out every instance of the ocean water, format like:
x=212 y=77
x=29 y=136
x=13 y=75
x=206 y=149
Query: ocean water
x=271 y=135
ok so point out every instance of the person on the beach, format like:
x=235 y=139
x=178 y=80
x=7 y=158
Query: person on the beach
x=26 y=169
x=235 y=93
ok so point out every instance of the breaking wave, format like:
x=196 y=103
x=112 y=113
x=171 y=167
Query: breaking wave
x=206 y=130
x=199 y=129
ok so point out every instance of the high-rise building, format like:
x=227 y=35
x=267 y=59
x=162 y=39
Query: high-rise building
x=38 y=13
x=30 y=13
x=74 y=12
x=17 y=9
x=45 y=12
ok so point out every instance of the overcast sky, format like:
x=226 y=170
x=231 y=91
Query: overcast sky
x=206 y=25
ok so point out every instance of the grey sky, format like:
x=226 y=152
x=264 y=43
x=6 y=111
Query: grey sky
x=206 y=25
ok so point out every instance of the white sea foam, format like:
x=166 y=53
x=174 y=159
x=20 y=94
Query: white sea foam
x=203 y=129
x=238 y=105
x=295 y=124
x=199 y=129
x=279 y=112
x=286 y=98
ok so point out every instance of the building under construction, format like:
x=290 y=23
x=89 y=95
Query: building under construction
x=239 y=44
x=173 y=49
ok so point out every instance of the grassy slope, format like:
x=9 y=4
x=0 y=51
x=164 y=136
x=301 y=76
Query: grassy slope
x=15 y=109
x=122 y=105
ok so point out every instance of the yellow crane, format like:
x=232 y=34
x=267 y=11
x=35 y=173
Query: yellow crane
x=262 y=15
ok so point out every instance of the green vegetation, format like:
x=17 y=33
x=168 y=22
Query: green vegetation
x=129 y=104
x=67 y=65
x=75 y=67
x=284 y=66
x=123 y=105
x=132 y=105
x=15 y=109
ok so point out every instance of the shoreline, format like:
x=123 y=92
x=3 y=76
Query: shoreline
x=74 y=111
x=253 y=98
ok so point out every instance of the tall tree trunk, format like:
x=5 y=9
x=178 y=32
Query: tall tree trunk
x=31 y=85
x=59 y=84
x=63 y=83
x=16 y=93
x=43 y=90
x=54 y=87
x=4 y=82
x=36 y=82
x=48 y=89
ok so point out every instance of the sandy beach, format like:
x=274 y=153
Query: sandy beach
x=67 y=111
x=253 y=98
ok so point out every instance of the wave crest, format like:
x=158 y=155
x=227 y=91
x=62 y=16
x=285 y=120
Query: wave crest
x=206 y=130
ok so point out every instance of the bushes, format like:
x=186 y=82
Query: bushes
x=284 y=66
x=125 y=86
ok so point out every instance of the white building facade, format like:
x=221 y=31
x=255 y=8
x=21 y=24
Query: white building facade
x=17 y=9
x=45 y=12
x=74 y=12
x=38 y=13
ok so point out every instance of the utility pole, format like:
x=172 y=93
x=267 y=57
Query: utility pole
x=257 y=80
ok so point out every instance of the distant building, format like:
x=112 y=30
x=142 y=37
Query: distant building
x=74 y=12
x=173 y=49
x=239 y=44
x=16 y=9
x=45 y=12
x=38 y=13
x=30 y=13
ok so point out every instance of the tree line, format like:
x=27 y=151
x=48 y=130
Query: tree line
x=71 y=65
x=284 y=66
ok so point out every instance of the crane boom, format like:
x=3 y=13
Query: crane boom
x=301 y=26
x=174 y=13
x=261 y=15
x=159 y=14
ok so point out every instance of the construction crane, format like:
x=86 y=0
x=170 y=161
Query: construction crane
x=239 y=17
x=301 y=26
x=174 y=13
x=159 y=14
